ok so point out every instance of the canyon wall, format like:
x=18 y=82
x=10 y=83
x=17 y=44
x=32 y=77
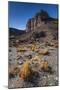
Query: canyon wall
x=37 y=20
x=33 y=23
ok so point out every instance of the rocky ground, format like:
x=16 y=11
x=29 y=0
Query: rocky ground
x=33 y=53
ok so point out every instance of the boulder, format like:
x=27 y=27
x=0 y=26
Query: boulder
x=44 y=65
x=43 y=51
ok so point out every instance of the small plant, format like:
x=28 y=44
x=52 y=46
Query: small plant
x=21 y=49
x=33 y=48
x=14 y=72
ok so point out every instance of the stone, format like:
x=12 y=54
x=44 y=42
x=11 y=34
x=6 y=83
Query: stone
x=36 y=58
x=20 y=62
x=44 y=65
x=43 y=51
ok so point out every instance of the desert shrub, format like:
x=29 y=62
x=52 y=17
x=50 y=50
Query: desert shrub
x=33 y=47
x=14 y=72
x=11 y=75
x=26 y=73
x=21 y=49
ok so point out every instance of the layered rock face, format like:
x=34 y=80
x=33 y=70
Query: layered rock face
x=37 y=20
x=33 y=23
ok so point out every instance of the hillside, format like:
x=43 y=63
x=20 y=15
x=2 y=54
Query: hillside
x=41 y=28
x=33 y=53
x=15 y=32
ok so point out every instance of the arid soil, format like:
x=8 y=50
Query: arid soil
x=33 y=53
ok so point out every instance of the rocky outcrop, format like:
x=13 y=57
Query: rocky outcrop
x=37 y=20
x=33 y=23
x=41 y=28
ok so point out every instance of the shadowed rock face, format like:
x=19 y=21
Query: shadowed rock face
x=28 y=25
x=32 y=24
x=35 y=23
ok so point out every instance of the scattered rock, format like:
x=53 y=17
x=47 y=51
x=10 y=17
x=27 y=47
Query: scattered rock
x=32 y=67
x=20 y=62
x=36 y=58
x=43 y=51
x=29 y=56
x=44 y=65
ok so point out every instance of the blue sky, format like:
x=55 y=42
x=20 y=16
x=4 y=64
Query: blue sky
x=19 y=12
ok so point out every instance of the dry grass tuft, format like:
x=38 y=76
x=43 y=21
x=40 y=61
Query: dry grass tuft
x=26 y=73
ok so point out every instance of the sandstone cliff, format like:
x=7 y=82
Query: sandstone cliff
x=37 y=20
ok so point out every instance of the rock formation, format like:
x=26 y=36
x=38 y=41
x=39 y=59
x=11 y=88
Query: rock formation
x=37 y=20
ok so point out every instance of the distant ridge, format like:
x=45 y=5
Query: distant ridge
x=16 y=32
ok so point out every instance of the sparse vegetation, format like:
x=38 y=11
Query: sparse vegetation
x=21 y=49
x=34 y=52
x=25 y=71
x=14 y=72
